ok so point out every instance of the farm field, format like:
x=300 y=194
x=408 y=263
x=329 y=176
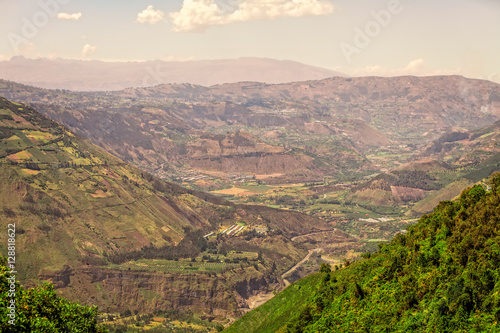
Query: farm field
x=323 y=201
x=206 y=262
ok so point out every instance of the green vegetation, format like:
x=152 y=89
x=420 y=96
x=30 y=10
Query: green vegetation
x=441 y=276
x=338 y=157
x=162 y=321
x=270 y=316
x=41 y=309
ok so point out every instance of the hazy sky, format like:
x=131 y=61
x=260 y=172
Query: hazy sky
x=358 y=37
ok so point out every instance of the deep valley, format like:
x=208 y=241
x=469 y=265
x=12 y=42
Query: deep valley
x=216 y=198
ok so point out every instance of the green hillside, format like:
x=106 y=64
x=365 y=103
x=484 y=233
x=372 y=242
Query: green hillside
x=441 y=276
x=72 y=201
x=270 y=316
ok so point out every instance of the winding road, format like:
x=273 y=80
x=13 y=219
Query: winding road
x=309 y=253
x=297 y=265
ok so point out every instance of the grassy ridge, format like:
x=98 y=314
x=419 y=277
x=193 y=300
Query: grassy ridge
x=272 y=315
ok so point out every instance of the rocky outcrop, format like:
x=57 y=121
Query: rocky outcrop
x=60 y=279
x=219 y=294
x=405 y=194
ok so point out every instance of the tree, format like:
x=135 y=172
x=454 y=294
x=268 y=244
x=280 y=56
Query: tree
x=41 y=309
x=325 y=268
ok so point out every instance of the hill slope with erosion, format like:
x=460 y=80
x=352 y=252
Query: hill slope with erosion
x=342 y=128
x=438 y=172
x=106 y=233
x=440 y=276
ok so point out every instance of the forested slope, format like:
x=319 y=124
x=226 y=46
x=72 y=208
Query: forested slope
x=441 y=276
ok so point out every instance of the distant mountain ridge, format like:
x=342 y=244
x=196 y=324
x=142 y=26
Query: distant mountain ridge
x=291 y=132
x=94 y=75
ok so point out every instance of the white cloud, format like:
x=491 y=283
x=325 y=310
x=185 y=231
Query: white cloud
x=150 y=15
x=4 y=57
x=88 y=50
x=29 y=50
x=199 y=15
x=416 y=66
x=66 y=16
x=176 y=57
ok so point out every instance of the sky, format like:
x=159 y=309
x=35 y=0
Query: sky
x=356 y=37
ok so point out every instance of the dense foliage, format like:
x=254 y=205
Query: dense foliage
x=41 y=310
x=271 y=316
x=441 y=276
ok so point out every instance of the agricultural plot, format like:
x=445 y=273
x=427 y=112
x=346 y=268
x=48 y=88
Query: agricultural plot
x=231 y=191
x=29 y=172
x=203 y=263
x=233 y=230
x=20 y=156
x=14 y=142
x=38 y=137
x=6 y=112
x=23 y=137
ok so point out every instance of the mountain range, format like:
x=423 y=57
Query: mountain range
x=301 y=131
x=94 y=75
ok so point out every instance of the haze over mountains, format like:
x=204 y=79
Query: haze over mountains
x=97 y=75
x=204 y=166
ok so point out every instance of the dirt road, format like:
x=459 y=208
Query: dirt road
x=297 y=265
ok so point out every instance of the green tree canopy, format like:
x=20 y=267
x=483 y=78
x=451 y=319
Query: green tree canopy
x=443 y=275
x=42 y=310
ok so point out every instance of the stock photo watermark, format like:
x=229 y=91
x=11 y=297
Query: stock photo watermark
x=11 y=264
x=155 y=76
x=228 y=6
x=363 y=36
x=31 y=26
